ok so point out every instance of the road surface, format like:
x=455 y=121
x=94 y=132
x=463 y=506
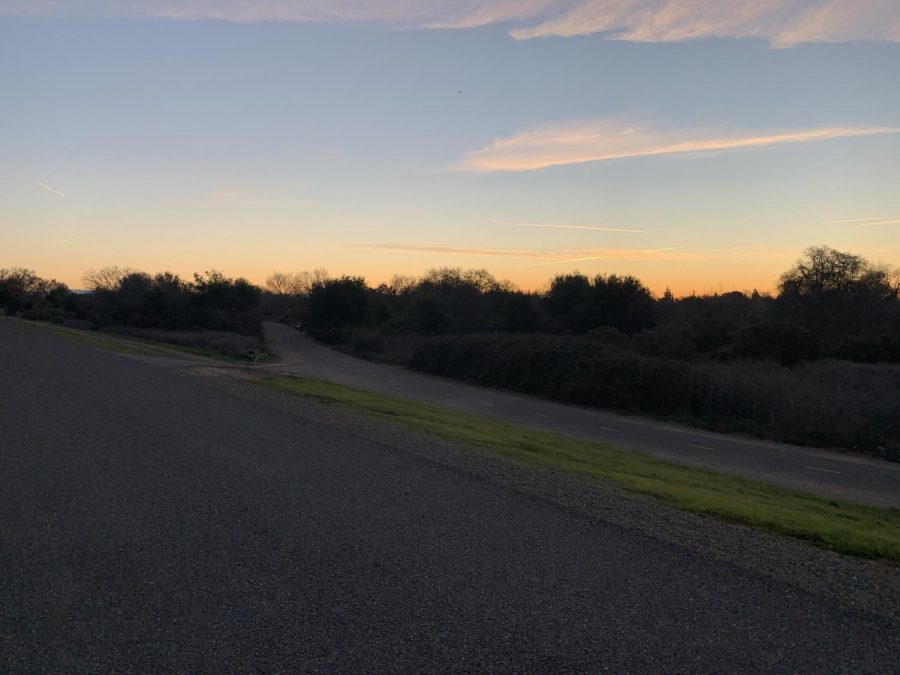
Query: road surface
x=152 y=519
x=828 y=473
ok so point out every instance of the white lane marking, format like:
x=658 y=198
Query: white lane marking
x=701 y=447
x=817 y=468
x=618 y=431
x=450 y=395
x=539 y=415
x=489 y=405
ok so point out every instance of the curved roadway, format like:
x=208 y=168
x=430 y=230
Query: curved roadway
x=156 y=520
x=831 y=474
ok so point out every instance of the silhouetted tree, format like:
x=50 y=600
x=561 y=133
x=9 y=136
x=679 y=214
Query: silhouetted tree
x=580 y=304
x=835 y=293
x=338 y=302
x=106 y=278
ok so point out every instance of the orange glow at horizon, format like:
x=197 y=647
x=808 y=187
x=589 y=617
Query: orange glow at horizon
x=718 y=276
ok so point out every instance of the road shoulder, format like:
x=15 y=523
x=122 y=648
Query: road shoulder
x=861 y=585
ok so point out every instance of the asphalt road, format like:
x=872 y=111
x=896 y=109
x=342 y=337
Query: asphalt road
x=151 y=519
x=828 y=473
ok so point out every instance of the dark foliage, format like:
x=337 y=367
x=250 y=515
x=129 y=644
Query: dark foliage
x=837 y=294
x=786 y=342
x=212 y=302
x=817 y=405
x=338 y=302
x=579 y=304
x=23 y=292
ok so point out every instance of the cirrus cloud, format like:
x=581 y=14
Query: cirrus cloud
x=599 y=141
x=540 y=257
x=782 y=23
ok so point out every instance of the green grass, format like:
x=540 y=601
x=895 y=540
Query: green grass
x=129 y=345
x=853 y=529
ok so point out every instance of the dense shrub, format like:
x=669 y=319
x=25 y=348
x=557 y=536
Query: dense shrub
x=879 y=344
x=783 y=341
x=674 y=341
x=565 y=368
x=166 y=302
x=823 y=403
x=580 y=304
x=23 y=291
x=338 y=302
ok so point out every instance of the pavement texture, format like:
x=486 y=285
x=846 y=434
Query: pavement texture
x=827 y=473
x=166 y=517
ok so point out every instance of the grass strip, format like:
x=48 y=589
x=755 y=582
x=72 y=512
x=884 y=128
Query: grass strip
x=854 y=529
x=129 y=345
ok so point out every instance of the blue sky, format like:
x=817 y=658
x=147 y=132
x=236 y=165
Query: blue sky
x=191 y=135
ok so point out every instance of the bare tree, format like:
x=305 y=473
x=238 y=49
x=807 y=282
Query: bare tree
x=106 y=278
x=295 y=283
x=282 y=283
x=401 y=283
x=23 y=280
x=318 y=276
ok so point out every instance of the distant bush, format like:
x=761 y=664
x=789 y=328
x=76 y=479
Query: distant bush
x=879 y=344
x=338 y=302
x=824 y=403
x=214 y=302
x=673 y=341
x=610 y=336
x=783 y=341
x=565 y=368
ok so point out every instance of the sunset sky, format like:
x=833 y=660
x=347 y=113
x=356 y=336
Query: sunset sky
x=697 y=145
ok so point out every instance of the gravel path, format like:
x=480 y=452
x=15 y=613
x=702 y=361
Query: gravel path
x=183 y=518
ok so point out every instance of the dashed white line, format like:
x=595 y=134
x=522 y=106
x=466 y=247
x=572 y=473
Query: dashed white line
x=618 y=431
x=818 y=468
x=701 y=447
x=489 y=405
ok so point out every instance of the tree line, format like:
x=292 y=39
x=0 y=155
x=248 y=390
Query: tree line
x=831 y=303
x=122 y=297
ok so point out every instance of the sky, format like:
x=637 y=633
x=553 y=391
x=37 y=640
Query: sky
x=700 y=146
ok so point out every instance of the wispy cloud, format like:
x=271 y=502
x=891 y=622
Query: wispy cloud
x=782 y=22
x=877 y=221
x=599 y=141
x=49 y=188
x=565 y=226
x=661 y=250
x=537 y=257
x=670 y=254
x=851 y=220
x=228 y=235
x=455 y=250
x=62 y=241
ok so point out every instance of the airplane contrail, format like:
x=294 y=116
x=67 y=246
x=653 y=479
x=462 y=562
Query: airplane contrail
x=555 y=226
x=49 y=188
